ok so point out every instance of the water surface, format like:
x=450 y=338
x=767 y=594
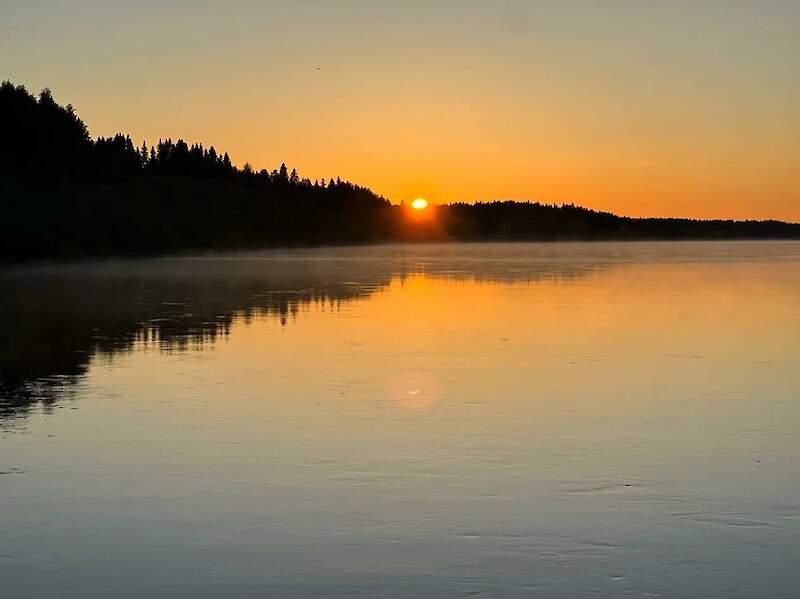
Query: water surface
x=510 y=420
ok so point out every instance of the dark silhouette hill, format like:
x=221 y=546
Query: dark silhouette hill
x=64 y=194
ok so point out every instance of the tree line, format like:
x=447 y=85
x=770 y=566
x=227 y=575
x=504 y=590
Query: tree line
x=65 y=194
x=43 y=138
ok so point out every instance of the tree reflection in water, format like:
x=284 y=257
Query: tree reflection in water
x=56 y=319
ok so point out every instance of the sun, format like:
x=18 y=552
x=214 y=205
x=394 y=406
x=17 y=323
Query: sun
x=419 y=204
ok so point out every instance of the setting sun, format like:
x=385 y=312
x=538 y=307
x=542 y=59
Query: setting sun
x=419 y=204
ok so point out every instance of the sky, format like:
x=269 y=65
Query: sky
x=642 y=108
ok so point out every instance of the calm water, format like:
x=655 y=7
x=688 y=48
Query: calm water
x=511 y=420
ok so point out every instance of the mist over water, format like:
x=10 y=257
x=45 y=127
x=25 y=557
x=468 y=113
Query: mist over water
x=505 y=420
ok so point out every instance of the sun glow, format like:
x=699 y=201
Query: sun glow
x=419 y=204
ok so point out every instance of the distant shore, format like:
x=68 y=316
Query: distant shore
x=66 y=195
x=162 y=214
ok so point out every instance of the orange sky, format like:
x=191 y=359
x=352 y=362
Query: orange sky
x=668 y=109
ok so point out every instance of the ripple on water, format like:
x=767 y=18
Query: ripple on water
x=723 y=519
x=13 y=471
x=603 y=487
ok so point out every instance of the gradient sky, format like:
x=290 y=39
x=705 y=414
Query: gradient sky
x=643 y=108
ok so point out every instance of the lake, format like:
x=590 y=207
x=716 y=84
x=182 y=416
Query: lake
x=498 y=420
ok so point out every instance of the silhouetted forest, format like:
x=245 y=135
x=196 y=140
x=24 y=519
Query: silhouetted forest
x=65 y=194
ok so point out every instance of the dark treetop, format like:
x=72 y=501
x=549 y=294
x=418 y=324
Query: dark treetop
x=64 y=194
